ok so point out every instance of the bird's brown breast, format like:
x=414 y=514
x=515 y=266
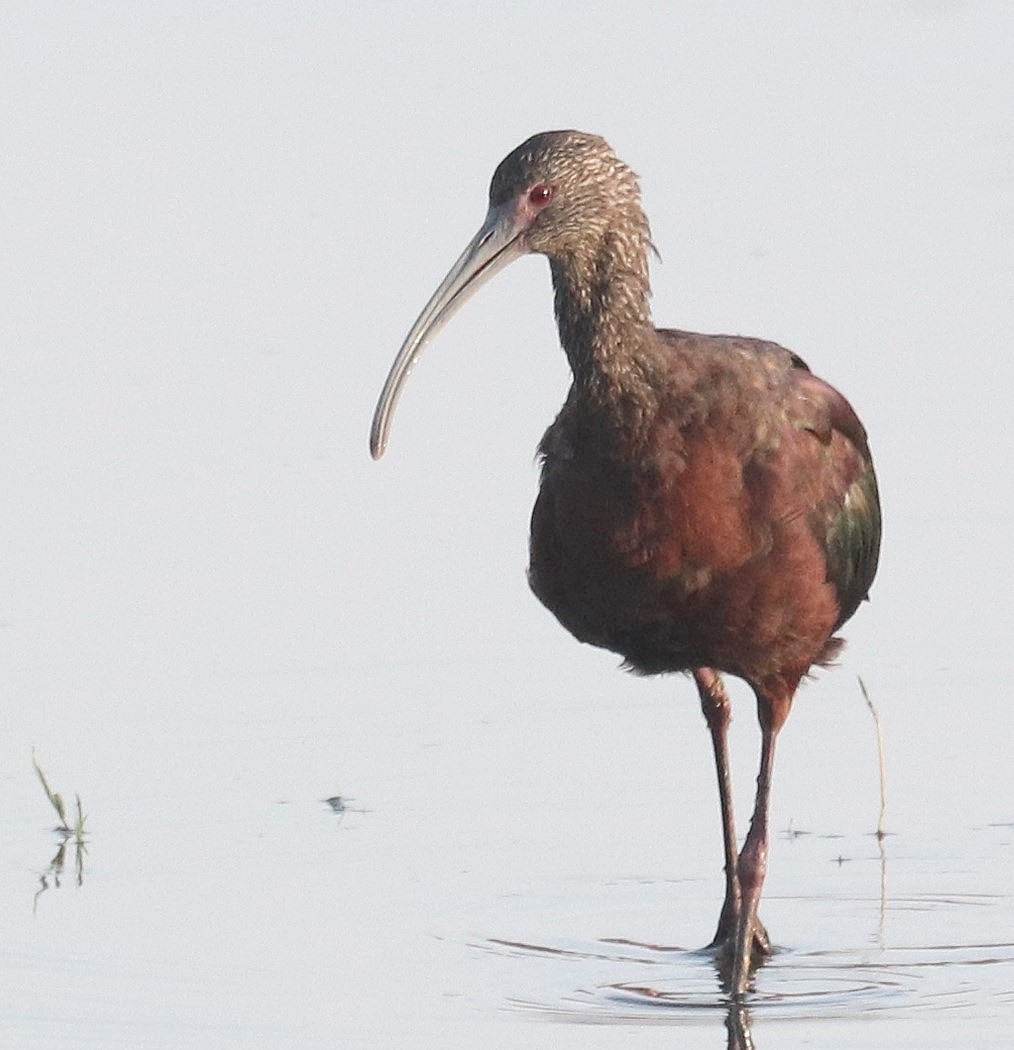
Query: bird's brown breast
x=695 y=551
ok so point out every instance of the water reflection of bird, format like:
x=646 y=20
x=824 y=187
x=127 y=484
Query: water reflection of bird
x=707 y=503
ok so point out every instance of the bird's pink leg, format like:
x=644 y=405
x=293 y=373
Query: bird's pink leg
x=717 y=710
x=753 y=858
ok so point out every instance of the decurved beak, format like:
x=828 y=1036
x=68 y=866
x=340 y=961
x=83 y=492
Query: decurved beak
x=497 y=244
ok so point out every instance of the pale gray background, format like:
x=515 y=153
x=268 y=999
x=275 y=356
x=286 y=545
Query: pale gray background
x=217 y=221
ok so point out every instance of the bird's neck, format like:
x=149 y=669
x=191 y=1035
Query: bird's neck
x=605 y=323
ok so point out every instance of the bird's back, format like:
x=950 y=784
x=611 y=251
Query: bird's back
x=733 y=523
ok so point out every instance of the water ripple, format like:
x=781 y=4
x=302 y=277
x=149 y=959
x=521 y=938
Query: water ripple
x=672 y=985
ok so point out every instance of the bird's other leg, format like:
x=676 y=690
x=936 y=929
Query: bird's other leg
x=717 y=710
x=753 y=858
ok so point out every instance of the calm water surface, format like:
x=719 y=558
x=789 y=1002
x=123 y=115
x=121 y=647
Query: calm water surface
x=222 y=902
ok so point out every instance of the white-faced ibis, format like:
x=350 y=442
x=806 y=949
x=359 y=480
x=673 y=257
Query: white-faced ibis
x=707 y=504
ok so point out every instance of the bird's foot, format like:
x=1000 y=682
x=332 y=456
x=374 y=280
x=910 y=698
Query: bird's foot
x=726 y=949
x=724 y=941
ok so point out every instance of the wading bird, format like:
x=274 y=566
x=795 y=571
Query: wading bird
x=707 y=504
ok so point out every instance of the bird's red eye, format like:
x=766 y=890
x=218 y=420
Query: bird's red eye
x=540 y=195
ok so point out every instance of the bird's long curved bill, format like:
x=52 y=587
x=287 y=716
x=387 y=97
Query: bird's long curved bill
x=497 y=244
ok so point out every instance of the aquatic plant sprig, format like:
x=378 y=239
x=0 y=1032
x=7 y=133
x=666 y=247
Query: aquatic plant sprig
x=880 y=758
x=65 y=827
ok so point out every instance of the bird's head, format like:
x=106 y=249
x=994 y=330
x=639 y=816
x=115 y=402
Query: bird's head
x=563 y=194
